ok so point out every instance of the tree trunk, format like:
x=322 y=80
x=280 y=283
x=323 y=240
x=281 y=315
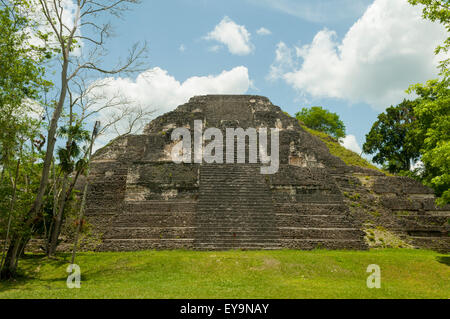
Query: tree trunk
x=12 y=257
x=53 y=244
x=80 y=219
x=83 y=201
x=54 y=210
x=11 y=261
x=51 y=140
x=11 y=207
x=54 y=234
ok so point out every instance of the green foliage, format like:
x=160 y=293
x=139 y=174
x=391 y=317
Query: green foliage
x=21 y=72
x=14 y=205
x=21 y=84
x=322 y=120
x=433 y=126
x=71 y=157
x=21 y=80
x=392 y=140
x=433 y=110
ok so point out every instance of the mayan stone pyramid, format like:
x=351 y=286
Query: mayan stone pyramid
x=139 y=198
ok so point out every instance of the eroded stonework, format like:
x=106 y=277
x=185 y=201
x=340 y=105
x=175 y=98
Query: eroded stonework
x=139 y=199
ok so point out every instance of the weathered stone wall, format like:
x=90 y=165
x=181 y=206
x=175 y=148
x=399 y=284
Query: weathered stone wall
x=401 y=207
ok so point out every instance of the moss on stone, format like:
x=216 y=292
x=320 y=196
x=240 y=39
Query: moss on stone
x=347 y=156
x=380 y=237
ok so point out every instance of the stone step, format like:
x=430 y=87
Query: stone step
x=210 y=233
x=237 y=246
x=234 y=211
x=308 y=198
x=150 y=219
x=227 y=248
x=320 y=233
x=232 y=201
x=216 y=240
x=225 y=191
x=174 y=219
x=426 y=219
x=436 y=232
x=247 y=239
x=100 y=211
x=438 y=213
x=220 y=217
x=237 y=229
x=233 y=225
x=309 y=244
x=144 y=244
x=149 y=232
x=286 y=220
x=185 y=232
x=242 y=218
x=441 y=244
x=156 y=206
x=249 y=195
x=310 y=209
x=236 y=243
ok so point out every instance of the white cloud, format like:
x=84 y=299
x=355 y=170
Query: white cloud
x=234 y=36
x=263 y=31
x=182 y=48
x=317 y=10
x=350 y=143
x=386 y=50
x=157 y=90
x=284 y=61
x=214 y=48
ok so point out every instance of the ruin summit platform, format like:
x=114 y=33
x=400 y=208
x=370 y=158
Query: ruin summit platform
x=139 y=198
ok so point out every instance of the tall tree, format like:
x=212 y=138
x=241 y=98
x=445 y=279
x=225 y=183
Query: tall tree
x=322 y=120
x=21 y=84
x=433 y=109
x=67 y=36
x=392 y=138
x=433 y=128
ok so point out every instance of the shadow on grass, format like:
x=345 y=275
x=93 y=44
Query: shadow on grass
x=29 y=276
x=443 y=260
x=28 y=271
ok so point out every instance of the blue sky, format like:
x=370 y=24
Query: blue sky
x=354 y=58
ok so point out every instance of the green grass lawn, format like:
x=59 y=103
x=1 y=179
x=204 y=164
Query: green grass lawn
x=405 y=273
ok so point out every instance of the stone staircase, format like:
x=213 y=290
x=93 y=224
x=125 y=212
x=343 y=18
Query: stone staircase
x=238 y=208
x=151 y=224
x=234 y=209
x=311 y=212
x=317 y=225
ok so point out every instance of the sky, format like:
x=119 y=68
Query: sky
x=353 y=57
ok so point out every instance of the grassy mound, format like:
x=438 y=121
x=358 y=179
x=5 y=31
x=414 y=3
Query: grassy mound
x=405 y=273
x=336 y=149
